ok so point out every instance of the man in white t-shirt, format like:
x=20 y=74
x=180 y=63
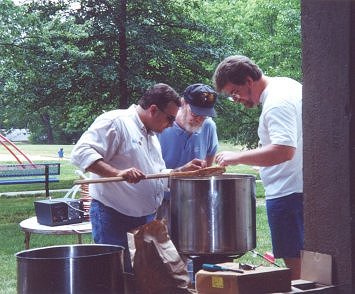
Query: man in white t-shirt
x=280 y=155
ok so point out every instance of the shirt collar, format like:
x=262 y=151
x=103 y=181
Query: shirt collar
x=139 y=122
x=264 y=94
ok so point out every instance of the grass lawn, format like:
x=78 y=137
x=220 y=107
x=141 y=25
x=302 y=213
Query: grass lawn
x=15 y=209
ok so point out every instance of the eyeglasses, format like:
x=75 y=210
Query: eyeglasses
x=235 y=93
x=194 y=115
x=169 y=117
x=234 y=96
x=198 y=116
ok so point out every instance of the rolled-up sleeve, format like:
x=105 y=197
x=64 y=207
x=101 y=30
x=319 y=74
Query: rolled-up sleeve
x=94 y=144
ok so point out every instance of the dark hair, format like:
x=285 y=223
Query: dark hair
x=235 y=69
x=160 y=95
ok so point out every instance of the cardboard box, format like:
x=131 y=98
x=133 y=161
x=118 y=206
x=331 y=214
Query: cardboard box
x=316 y=277
x=304 y=286
x=316 y=267
x=316 y=274
x=260 y=280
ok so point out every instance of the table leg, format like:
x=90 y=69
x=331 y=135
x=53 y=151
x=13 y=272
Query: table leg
x=79 y=239
x=27 y=240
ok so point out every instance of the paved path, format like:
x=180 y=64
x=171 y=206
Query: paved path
x=30 y=193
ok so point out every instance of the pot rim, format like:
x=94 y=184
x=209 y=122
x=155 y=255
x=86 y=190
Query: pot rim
x=23 y=254
x=225 y=176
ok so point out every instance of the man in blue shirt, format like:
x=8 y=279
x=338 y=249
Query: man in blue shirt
x=192 y=135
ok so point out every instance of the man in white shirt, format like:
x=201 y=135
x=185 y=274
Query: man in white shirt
x=280 y=155
x=123 y=143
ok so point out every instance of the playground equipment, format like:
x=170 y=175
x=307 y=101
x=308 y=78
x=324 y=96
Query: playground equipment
x=5 y=142
x=26 y=173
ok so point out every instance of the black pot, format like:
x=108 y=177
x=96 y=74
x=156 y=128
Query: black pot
x=71 y=269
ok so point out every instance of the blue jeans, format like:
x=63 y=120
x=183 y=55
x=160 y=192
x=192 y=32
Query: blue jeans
x=285 y=216
x=111 y=227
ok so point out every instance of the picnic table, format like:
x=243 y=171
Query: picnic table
x=31 y=225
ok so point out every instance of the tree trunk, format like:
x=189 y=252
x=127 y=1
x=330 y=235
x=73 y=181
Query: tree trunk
x=122 y=67
x=48 y=127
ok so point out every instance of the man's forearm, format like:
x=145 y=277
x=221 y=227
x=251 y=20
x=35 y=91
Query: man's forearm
x=103 y=169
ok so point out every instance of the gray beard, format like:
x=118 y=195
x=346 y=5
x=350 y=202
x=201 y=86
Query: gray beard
x=189 y=127
x=192 y=129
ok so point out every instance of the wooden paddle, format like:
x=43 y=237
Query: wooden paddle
x=203 y=172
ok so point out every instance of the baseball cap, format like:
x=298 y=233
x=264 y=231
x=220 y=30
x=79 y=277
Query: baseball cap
x=201 y=99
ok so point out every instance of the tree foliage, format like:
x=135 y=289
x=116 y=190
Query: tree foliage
x=61 y=66
x=268 y=32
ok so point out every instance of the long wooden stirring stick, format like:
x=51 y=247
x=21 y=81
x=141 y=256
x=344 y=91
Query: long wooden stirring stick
x=203 y=172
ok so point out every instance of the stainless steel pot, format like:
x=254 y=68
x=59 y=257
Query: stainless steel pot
x=213 y=215
x=71 y=269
